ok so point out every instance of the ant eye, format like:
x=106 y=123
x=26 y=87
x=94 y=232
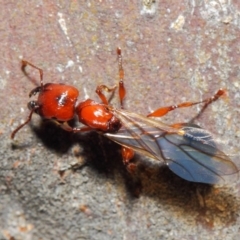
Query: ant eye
x=31 y=105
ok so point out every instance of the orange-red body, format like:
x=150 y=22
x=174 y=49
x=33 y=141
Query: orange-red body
x=97 y=116
x=57 y=101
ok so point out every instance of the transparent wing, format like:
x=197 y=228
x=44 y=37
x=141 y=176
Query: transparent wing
x=188 y=151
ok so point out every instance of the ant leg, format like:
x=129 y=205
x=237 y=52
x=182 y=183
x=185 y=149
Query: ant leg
x=221 y=92
x=22 y=125
x=127 y=153
x=164 y=110
x=82 y=129
x=65 y=126
x=25 y=63
x=99 y=92
x=121 y=88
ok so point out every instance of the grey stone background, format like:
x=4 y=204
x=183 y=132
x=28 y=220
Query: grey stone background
x=173 y=51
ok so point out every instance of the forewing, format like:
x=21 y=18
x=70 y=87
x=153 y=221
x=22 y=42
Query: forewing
x=140 y=133
x=189 y=151
x=194 y=156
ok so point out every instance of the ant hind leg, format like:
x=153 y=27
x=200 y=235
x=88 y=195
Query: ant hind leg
x=164 y=110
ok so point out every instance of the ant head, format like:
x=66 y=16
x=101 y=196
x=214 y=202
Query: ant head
x=54 y=101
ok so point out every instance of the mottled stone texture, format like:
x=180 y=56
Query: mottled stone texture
x=173 y=51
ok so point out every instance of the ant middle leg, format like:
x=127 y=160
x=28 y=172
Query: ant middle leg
x=127 y=153
x=99 y=92
x=121 y=88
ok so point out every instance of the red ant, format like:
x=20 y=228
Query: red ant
x=189 y=151
x=57 y=102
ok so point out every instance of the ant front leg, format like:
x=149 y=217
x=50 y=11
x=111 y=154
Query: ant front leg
x=164 y=110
